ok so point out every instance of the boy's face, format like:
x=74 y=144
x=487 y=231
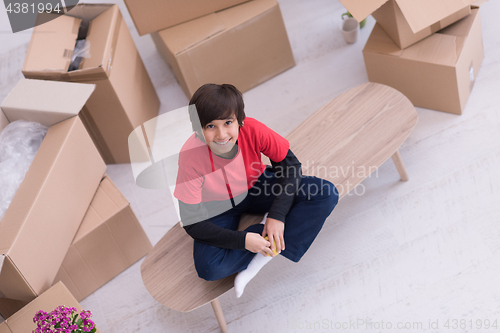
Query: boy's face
x=221 y=135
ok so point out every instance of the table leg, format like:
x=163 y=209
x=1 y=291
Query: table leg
x=400 y=166
x=219 y=315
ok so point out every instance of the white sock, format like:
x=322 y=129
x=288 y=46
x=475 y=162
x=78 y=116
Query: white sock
x=243 y=277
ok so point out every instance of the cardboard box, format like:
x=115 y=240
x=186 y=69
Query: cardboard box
x=124 y=97
x=437 y=73
x=409 y=21
x=22 y=321
x=110 y=239
x=155 y=15
x=47 y=209
x=10 y=306
x=244 y=45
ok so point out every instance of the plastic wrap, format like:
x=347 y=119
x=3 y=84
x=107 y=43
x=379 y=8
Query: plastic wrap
x=82 y=50
x=19 y=142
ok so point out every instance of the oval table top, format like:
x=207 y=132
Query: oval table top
x=343 y=142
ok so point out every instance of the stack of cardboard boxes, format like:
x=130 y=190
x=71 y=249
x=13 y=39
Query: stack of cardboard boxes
x=67 y=221
x=429 y=50
x=216 y=41
x=124 y=97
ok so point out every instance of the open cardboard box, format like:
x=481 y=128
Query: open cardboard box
x=409 y=21
x=436 y=73
x=124 y=97
x=22 y=321
x=154 y=15
x=244 y=45
x=47 y=209
x=109 y=240
x=10 y=306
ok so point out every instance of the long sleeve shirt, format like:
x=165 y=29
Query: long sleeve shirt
x=288 y=171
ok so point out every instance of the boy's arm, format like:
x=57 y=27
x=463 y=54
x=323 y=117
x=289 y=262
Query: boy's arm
x=207 y=232
x=289 y=172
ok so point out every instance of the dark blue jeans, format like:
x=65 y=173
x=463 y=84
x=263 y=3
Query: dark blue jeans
x=315 y=200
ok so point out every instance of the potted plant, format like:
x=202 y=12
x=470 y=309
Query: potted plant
x=64 y=320
x=361 y=24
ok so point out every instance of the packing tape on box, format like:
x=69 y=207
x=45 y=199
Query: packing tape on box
x=82 y=76
x=75 y=76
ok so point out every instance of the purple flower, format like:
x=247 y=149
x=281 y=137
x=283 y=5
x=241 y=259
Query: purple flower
x=63 y=320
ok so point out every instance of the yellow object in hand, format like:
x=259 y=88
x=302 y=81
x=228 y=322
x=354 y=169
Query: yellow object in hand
x=275 y=252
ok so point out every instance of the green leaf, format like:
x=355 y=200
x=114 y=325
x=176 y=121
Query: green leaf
x=346 y=14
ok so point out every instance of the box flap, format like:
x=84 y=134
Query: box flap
x=184 y=36
x=91 y=221
x=10 y=306
x=53 y=46
x=235 y=16
x=13 y=285
x=423 y=13
x=380 y=42
x=187 y=35
x=461 y=28
x=155 y=15
x=109 y=240
x=106 y=202
x=436 y=49
x=114 y=194
x=88 y=11
x=360 y=9
x=102 y=30
x=443 y=47
x=46 y=102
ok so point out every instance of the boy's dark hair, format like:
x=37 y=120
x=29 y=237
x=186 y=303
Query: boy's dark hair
x=214 y=102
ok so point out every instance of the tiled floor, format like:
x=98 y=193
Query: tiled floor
x=424 y=251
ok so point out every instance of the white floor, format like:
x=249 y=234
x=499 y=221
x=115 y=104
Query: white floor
x=401 y=253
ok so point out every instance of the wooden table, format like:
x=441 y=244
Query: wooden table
x=344 y=141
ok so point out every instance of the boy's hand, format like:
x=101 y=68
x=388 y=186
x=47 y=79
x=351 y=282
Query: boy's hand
x=274 y=230
x=257 y=244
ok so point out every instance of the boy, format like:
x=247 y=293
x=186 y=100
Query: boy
x=221 y=176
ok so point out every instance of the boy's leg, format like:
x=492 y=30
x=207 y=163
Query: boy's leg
x=315 y=200
x=213 y=263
